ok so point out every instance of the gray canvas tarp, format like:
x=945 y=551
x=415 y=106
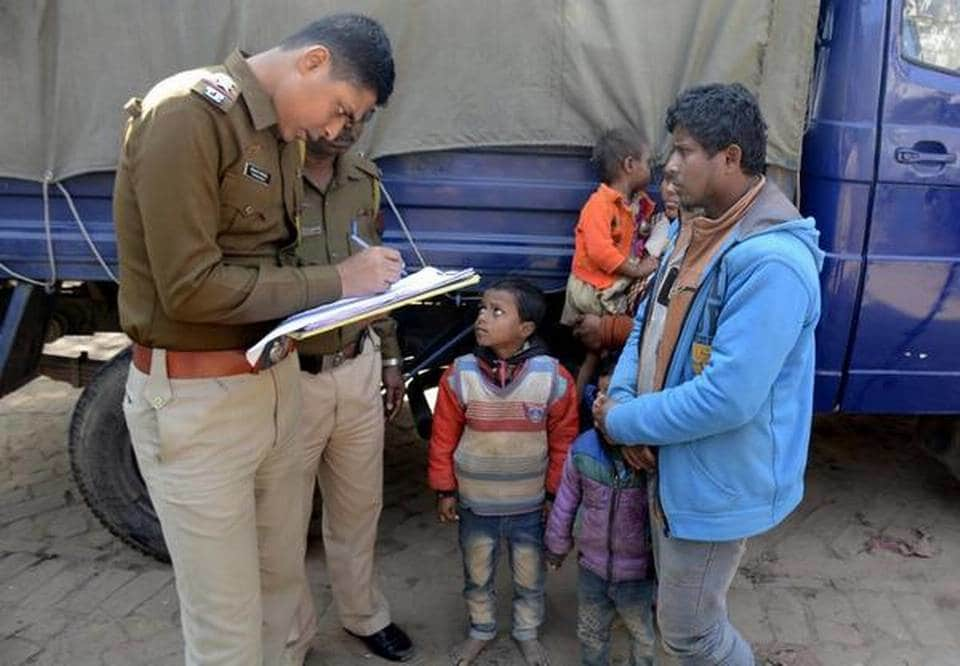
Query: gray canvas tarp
x=469 y=73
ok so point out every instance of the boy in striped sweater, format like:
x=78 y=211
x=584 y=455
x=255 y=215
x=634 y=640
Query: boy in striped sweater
x=504 y=420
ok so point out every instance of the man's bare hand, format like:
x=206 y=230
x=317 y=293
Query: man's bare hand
x=447 y=509
x=393 y=391
x=639 y=458
x=587 y=330
x=370 y=271
x=601 y=406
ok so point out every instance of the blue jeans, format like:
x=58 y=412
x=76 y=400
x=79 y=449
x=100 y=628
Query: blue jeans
x=480 y=538
x=598 y=602
x=693 y=580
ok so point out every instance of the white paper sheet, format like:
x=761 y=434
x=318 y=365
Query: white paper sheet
x=422 y=282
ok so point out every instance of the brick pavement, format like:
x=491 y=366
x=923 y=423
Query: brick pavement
x=839 y=583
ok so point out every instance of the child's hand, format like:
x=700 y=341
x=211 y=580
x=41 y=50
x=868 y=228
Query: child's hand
x=447 y=509
x=640 y=457
x=553 y=561
x=601 y=406
x=547 y=508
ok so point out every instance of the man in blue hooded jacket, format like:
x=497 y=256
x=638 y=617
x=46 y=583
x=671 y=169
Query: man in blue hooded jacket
x=717 y=374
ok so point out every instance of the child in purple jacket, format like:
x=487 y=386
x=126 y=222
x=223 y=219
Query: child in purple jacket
x=616 y=561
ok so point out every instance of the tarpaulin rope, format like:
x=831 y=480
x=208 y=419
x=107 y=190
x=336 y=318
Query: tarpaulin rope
x=403 y=225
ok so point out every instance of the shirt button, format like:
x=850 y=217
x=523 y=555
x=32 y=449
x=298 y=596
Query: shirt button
x=247 y=210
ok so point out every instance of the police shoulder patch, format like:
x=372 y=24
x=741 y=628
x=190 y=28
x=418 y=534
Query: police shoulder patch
x=219 y=89
x=367 y=166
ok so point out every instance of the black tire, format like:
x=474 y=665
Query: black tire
x=104 y=466
x=939 y=436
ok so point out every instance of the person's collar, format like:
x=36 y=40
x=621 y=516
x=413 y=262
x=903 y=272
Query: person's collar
x=345 y=167
x=259 y=103
x=611 y=194
x=734 y=212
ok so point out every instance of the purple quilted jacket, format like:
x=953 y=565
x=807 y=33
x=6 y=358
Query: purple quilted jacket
x=613 y=539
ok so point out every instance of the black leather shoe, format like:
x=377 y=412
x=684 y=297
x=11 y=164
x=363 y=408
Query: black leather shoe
x=389 y=643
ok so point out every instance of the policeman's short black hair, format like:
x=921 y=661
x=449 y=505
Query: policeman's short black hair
x=719 y=115
x=614 y=146
x=531 y=303
x=360 y=48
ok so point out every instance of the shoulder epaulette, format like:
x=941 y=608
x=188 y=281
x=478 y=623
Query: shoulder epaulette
x=367 y=166
x=219 y=89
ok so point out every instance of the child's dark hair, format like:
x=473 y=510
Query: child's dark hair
x=614 y=146
x=531 y=303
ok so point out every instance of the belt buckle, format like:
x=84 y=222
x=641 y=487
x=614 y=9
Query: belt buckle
x=276 y=351
x=330 y=361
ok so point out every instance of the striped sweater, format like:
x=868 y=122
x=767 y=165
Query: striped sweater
x=502 y=446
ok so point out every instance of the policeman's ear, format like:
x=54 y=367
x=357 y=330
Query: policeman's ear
x=314 y=60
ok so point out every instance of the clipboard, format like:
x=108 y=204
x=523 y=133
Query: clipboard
x=426 y=283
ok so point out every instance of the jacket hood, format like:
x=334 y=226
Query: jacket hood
x=772 y=212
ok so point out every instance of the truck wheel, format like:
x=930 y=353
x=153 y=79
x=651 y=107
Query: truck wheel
x=104 y=466
x=939 y=436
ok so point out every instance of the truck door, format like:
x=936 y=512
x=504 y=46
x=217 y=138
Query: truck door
x=906 y=352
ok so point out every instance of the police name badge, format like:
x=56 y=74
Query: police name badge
x=251 y=170
x=214 y=95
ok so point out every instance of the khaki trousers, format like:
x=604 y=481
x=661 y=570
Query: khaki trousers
x=224 y=468
x=342 y=429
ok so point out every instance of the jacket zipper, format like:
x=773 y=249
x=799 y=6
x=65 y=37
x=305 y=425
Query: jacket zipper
x=614 y=501
x=673 y=353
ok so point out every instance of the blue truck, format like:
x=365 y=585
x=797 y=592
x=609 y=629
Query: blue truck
x=879 y=172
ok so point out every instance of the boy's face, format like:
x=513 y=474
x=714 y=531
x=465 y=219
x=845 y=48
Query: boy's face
x=637 y=170
x=498 y=324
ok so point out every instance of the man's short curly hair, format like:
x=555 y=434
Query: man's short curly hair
x=718 y=115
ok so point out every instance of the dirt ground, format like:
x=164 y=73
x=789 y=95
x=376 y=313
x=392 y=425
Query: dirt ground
x=864 y=572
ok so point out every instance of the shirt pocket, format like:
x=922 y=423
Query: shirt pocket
x=247 y=205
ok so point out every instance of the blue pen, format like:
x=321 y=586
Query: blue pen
x=356 y=238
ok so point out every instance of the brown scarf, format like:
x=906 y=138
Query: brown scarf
x=701 y=237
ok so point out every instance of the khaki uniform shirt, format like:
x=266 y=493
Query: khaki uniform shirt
x=353 y=194
x=207 y=195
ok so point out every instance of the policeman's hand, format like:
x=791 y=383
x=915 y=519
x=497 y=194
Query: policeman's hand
x=370 y=271
x=639 y=457
x=393 y=394
x=587 y=329
x=447 y=509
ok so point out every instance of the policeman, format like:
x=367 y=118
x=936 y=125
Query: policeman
x=208 y=191
x=343 y=415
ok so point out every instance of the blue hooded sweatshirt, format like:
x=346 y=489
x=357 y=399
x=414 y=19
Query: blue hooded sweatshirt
x=732 y=440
